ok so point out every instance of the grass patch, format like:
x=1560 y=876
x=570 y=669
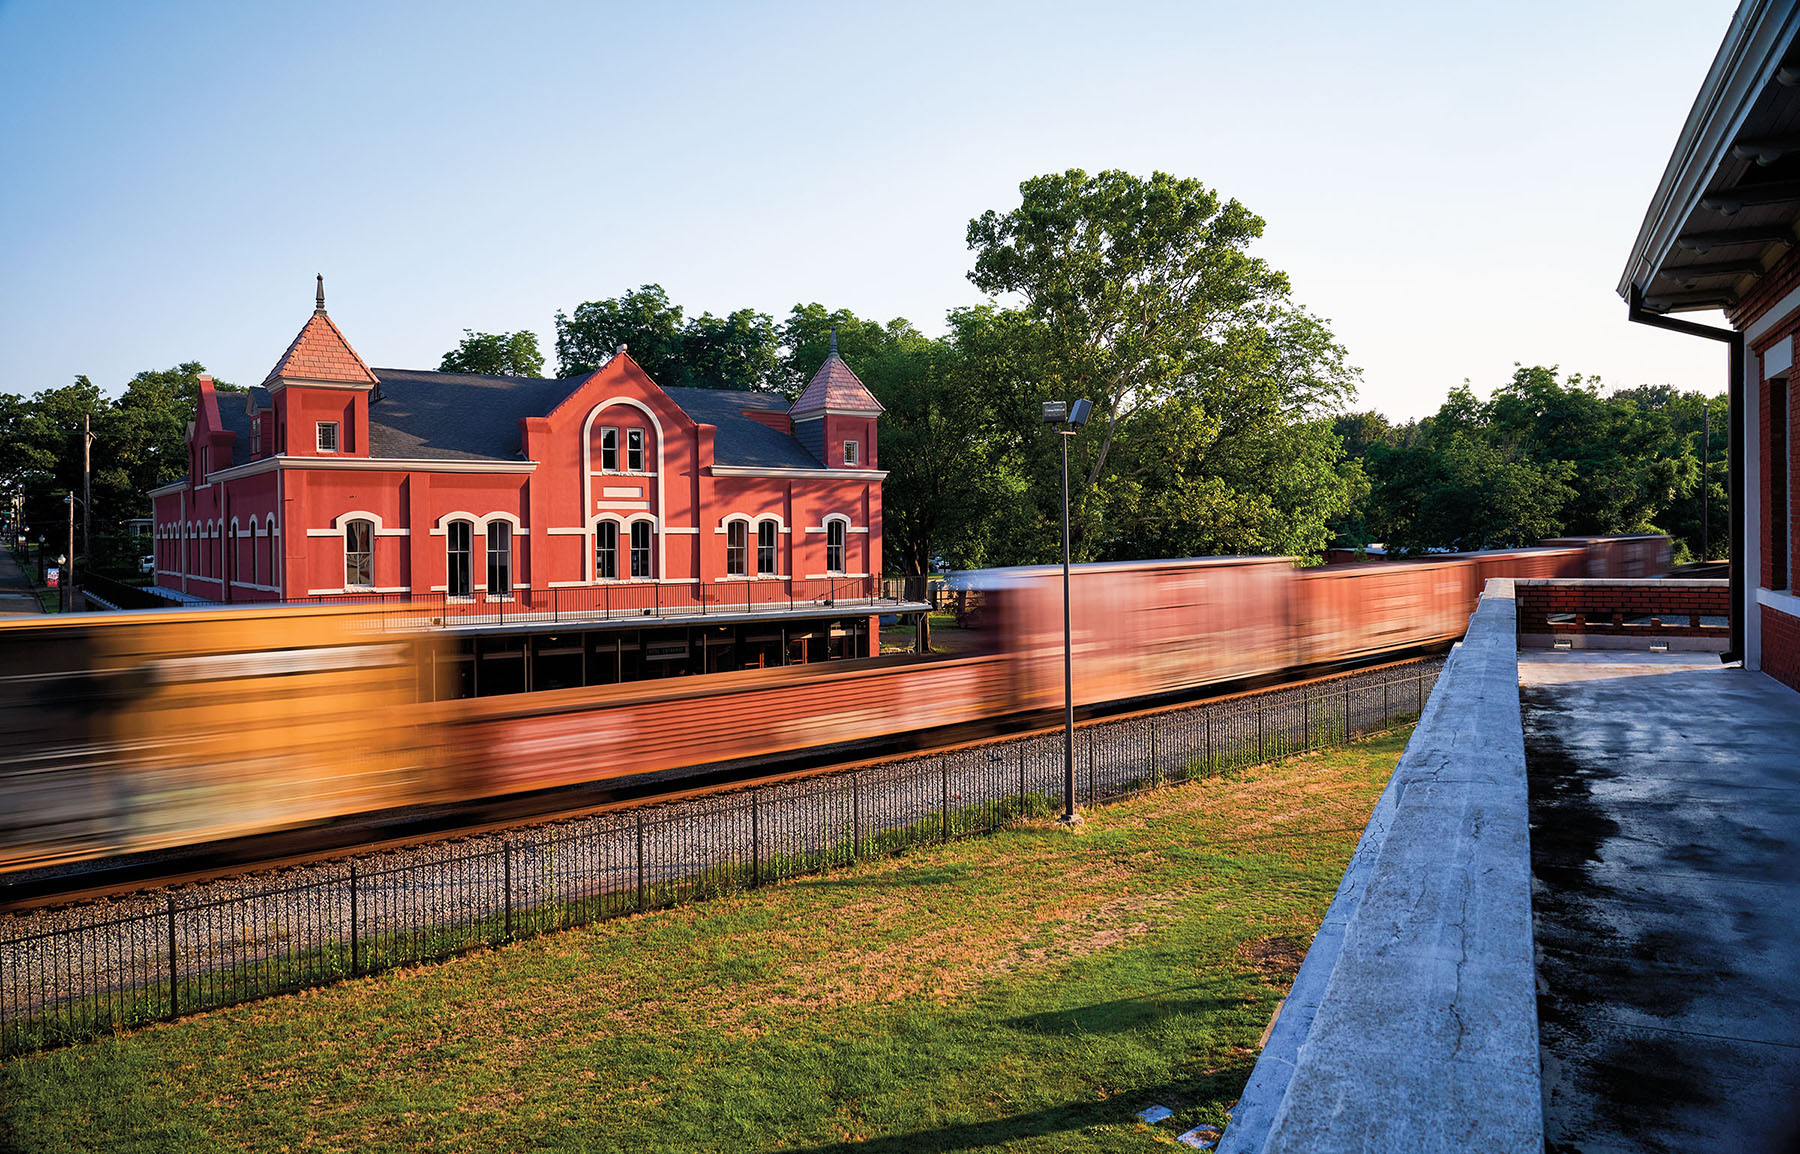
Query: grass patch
x=1030 y=990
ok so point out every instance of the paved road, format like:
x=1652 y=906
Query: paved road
x=16 y=595
x=1665 y=844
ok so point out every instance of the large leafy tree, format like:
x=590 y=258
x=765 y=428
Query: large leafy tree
x=495 y=355
x=643 y=320
x=1209 y=382
x=737 y=351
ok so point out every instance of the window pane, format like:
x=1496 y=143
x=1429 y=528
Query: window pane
x=634 y=450
x=359 y=553
x=606 y=551
x=736 y=536
x=499 y=551
x=765 y=548
x=609 y=449
x=834 y=547
x=640 y=549
x=461 y=568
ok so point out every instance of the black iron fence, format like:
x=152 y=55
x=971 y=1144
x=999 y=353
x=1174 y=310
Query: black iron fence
x=78 y=972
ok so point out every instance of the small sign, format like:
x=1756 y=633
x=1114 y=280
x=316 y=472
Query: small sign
x=53 y=577
x=1202 y=1137
x=1154 y=1114
x=674 y=652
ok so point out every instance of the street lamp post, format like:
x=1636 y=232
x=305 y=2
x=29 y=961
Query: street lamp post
x=1070 y=418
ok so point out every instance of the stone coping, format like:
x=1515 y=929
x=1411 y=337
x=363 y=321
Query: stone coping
x=1412 y=1024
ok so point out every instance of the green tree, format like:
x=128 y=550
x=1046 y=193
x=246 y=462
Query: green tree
x=643 y=320
x=1210 y=385
x=495 y=355
x=740 y=350
x=1147 y=294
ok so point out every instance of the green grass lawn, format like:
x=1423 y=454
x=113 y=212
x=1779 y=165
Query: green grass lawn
x=1027 y=991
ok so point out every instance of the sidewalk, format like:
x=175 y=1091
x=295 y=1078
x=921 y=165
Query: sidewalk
x=16 y=595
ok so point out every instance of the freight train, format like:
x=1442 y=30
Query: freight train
x=164 y=728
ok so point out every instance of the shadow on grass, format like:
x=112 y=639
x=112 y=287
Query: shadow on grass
x=1193 y=1103
x=1122 y=1014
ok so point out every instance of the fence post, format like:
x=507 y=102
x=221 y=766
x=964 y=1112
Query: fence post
x=1021 y=778
x=944 y=777
x=174 y=981
x=506 y=857
x=1387 y=706
x=1259 y=731
x=1092 y=795
x=755 y=837
x=1346 y=709
x=856 y=846
x=1305 y=721
x=1155 y=769
x=1421 y=681
x=640 y=861
x=1210 y=766
x=353 y=940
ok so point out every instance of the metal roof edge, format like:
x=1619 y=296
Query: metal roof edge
x=1748 y=56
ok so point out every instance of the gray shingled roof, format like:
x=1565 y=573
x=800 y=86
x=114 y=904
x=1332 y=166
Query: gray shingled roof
x=740 y=440
x=234 y=416
x=461 y=416
x=457 y=416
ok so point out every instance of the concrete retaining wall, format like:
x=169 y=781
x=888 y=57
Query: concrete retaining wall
x=1412 y=1024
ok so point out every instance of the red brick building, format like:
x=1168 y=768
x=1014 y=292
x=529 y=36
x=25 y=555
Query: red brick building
x=335 y=479
x=1723 y=233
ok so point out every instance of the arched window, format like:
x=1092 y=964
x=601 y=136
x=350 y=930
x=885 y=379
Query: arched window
x=499 y=559
x=640 y=548
x=834 y=546
x=766 y=532
x=459 y=575
x=606 y=551
x=737 y=548
x=359 y=554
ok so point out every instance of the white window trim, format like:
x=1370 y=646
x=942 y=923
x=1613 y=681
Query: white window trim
x=588 y=471
x=337 y=440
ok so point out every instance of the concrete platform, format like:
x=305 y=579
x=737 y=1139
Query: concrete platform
x=1665 y=846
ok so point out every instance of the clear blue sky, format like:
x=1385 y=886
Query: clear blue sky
x=1455 y=187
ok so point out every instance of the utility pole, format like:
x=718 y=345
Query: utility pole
x=66 y=593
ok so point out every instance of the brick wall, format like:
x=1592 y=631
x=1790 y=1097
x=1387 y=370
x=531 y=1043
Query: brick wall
x=1781 y=646
x=1643 y=610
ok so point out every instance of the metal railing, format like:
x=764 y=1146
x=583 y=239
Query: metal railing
x=79 y=972
x=626 y=599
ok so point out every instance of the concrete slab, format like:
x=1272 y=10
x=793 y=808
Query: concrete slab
x=1665 y=840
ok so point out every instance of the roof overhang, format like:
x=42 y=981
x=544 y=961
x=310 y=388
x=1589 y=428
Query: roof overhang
x=1729 y=201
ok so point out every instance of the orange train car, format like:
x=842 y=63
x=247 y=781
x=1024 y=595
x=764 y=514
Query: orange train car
x=154 y=729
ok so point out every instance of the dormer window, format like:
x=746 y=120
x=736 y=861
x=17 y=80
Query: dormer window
x=256 y=437
x=328 y=436
x=851 y=450
x=609 y=449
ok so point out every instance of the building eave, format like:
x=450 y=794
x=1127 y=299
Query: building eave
x=816 y=474
x=1748 y=59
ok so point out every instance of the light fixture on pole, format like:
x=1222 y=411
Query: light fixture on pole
x=1070 y=418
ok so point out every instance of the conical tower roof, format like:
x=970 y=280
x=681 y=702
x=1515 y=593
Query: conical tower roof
x=834 y=389
x=320 y=353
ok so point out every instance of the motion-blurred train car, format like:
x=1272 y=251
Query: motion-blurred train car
x=1622 y=555
x=145 y=730
x=1139 y=628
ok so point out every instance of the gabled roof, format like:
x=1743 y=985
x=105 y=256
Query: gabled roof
x=320 y=353
x=834 y=388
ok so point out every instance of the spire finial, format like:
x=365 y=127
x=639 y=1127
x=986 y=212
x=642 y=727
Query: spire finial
x=319 y=308
x=833 y=338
